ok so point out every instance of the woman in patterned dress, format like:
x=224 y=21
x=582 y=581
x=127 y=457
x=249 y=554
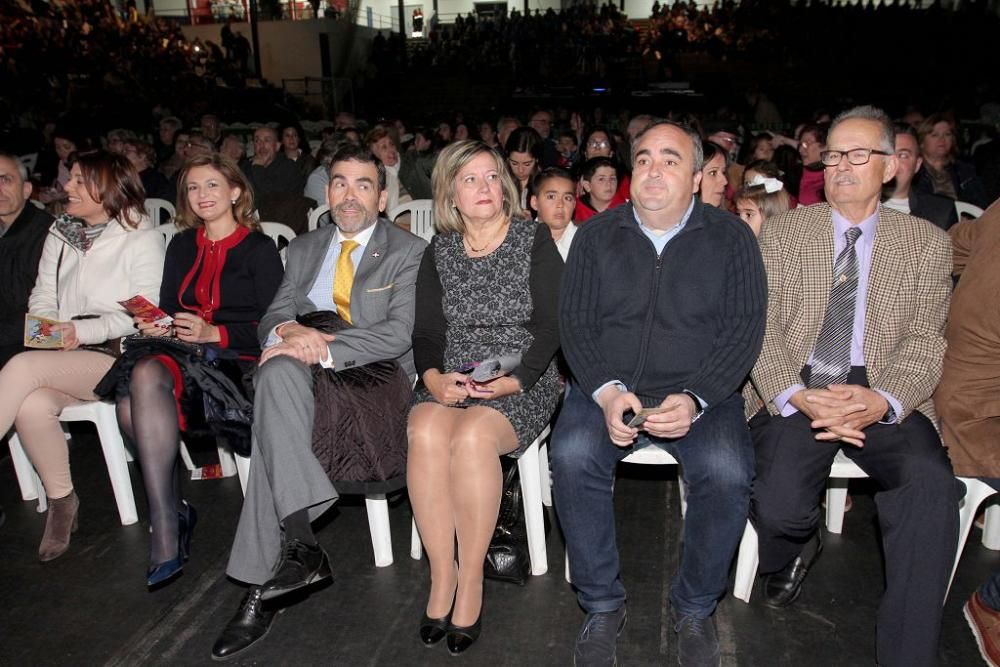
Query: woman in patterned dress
x=488 y=286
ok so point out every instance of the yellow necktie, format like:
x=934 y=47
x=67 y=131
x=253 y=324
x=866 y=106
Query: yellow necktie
x=343 y=279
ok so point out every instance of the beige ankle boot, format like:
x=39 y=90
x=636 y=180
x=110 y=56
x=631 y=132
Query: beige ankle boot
x=61 y=522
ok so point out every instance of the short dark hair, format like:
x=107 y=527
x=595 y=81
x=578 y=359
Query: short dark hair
x=817 y=130
x=591 y=166
x=546 y=174
x=569 y=134
x=351 y=152
x=906 y=128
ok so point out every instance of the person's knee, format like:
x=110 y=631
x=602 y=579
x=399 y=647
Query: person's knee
x=723 y=462
x=774 y=516
x=150 y=373
x=578 y=453
x=469 y=443
x=20 y=366
x=930 y=476
x=36 y=407
x=279 y=370
x=425 y=438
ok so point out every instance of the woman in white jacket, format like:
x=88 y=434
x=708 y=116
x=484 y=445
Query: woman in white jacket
x=94 y=257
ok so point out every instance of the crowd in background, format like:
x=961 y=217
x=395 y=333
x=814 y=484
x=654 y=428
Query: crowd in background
x=559 y=164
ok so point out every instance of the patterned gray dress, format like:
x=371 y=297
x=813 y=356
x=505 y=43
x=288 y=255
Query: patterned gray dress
x=488 y=305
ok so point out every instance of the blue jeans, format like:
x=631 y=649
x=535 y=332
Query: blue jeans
x=717 y=461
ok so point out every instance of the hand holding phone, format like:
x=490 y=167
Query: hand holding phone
x=639 y=418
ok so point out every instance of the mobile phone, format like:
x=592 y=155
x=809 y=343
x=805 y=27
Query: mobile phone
x=639 y=418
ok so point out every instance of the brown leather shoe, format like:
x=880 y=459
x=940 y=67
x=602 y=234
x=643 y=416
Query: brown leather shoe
x=985 y=624
x=61 y=522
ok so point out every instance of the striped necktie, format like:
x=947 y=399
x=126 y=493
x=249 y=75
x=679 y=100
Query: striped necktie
x=832 y=355
x=343 y=280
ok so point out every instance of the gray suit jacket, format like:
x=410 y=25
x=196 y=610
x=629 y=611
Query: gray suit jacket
x=382 y=298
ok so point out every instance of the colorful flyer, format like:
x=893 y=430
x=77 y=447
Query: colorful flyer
x=141 y=307
x=41 y=333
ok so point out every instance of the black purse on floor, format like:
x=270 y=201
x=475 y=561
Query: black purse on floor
x=507 y=558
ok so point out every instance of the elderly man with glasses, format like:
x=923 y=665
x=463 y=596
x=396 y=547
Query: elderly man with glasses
x=857 y=301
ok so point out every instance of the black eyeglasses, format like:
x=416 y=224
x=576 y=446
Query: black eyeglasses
x=855 y=156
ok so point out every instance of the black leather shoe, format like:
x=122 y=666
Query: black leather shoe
x=433 y=630
x=301 y=565
x=460 y=639
x=783 y=587
x=250 y=624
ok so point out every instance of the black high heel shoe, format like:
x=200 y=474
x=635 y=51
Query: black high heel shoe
x=160 y=573
x=433 y=630
x=460 y=639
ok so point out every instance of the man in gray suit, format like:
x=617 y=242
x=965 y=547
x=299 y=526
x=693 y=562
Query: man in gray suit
x=365 y=269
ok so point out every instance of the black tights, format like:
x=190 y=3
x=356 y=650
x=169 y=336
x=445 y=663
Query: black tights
x=148 y=417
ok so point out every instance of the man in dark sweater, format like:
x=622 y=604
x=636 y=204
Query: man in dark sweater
x=662 y=306
x=23 y=228
x=278 y=184
x=269 y=171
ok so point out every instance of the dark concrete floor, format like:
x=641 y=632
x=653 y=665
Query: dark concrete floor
x=92 y=607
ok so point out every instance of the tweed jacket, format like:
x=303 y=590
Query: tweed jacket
x=909 y=288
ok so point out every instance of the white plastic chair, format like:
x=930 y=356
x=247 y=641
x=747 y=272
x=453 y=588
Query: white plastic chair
x=115 y=456
x=27 y=478
x=316 y=214
x=30 y=161
x=971 y=210
x=531 y=493
x=227 y=462
x=748 y=560
x=169 y=230
x=278 y=231
x=842 y=470
x=376 y=505
x=153 y=208
x=421 y=217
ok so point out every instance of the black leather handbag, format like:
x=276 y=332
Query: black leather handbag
x=508 y=559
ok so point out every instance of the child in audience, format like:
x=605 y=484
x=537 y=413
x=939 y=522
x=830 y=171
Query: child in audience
x=567 y=146
x=759 y=200
x=554 y=197
x=599 y=180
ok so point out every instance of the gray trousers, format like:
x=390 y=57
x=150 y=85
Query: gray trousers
x=285 y=476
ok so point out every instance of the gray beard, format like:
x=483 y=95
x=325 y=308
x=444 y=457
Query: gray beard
x=360 y=228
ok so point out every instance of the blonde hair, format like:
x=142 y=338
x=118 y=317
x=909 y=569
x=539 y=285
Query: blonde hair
x=451 y=161
x=769 y=204
x=243 y=209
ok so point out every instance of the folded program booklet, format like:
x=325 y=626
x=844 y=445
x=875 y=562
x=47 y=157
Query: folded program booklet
x=143 y=308
x=491 y=369
x=41 y=333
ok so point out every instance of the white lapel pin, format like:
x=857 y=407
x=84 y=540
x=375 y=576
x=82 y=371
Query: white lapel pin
x=375 y=254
